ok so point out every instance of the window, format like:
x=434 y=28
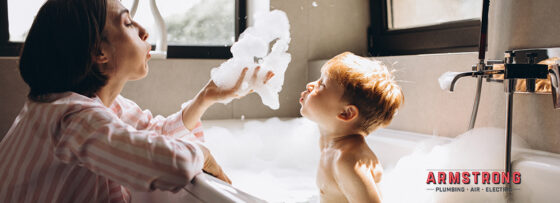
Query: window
x=195 y=28
x=401 y=27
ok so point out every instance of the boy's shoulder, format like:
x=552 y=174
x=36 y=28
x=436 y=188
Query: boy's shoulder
x=353 y=155
x=354 y=149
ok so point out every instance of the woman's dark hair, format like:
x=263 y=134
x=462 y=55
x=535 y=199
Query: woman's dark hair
x=58 y=53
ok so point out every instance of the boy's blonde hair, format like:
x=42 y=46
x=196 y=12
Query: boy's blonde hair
x=369 y=86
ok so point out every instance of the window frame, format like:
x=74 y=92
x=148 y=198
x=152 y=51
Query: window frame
x=456 y=36
x=11 y=49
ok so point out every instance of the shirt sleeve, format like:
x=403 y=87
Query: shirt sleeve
x=132 y=114
x=138 y=159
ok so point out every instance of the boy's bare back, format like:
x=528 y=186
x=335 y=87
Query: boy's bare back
x=348 y=171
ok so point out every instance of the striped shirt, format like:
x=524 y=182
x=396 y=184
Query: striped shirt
x=74 y=149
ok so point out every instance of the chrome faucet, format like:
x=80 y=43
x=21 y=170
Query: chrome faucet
x=509 y=72
x=486 y=73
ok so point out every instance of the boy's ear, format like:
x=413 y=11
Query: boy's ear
x=349 y=113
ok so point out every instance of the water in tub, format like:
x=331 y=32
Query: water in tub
x=276 y=160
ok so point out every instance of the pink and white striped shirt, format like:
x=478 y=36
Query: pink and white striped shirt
x=74 y=149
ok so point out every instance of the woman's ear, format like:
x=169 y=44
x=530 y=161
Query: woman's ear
x=101 y=56
x=349 y=113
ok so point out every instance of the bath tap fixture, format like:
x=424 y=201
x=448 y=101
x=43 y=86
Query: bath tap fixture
x=517 y=66
x=500 y=70
x=512 y=72
x=514 y=69
x=483 y=73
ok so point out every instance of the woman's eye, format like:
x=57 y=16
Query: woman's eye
x=128 y=22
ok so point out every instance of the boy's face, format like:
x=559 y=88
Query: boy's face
x=321 y=102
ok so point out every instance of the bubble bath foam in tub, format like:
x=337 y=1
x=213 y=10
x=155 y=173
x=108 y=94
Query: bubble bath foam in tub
x=252 y=50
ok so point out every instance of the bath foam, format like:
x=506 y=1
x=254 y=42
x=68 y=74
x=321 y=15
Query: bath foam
x=476 y=150
x=252 y=50
x=274 y=160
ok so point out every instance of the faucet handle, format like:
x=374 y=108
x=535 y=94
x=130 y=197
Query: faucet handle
x=526 y=71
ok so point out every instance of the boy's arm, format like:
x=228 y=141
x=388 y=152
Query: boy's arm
x=356 y=180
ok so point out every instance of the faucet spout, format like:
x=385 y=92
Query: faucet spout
x=483 y=73
x=457 y=77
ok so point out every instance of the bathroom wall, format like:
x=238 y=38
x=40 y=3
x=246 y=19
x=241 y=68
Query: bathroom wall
x=522 y=24
x=319 y=29
x=431 y=110
x=13 y=92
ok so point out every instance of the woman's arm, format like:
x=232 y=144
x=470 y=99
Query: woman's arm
x=189 y=116
x=130 y=113
x=138 y=159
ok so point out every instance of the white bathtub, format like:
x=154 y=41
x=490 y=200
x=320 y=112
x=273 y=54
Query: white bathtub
x=275 y=160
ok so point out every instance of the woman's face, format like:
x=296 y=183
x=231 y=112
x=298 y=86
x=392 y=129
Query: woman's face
x=125 y=51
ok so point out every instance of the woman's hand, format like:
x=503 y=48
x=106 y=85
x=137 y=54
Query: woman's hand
x=211 y=94
x=214 y=94
x=210 y=165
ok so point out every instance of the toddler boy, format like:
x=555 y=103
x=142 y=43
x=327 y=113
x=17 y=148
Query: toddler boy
x=353 y=97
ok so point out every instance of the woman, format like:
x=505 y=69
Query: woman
x=76 y=139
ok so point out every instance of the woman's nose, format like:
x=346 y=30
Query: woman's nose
x=142 y=32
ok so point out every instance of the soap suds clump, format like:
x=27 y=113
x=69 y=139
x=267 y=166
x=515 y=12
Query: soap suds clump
x=252 y=50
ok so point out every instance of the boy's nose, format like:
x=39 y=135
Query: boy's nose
x=310 y=86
